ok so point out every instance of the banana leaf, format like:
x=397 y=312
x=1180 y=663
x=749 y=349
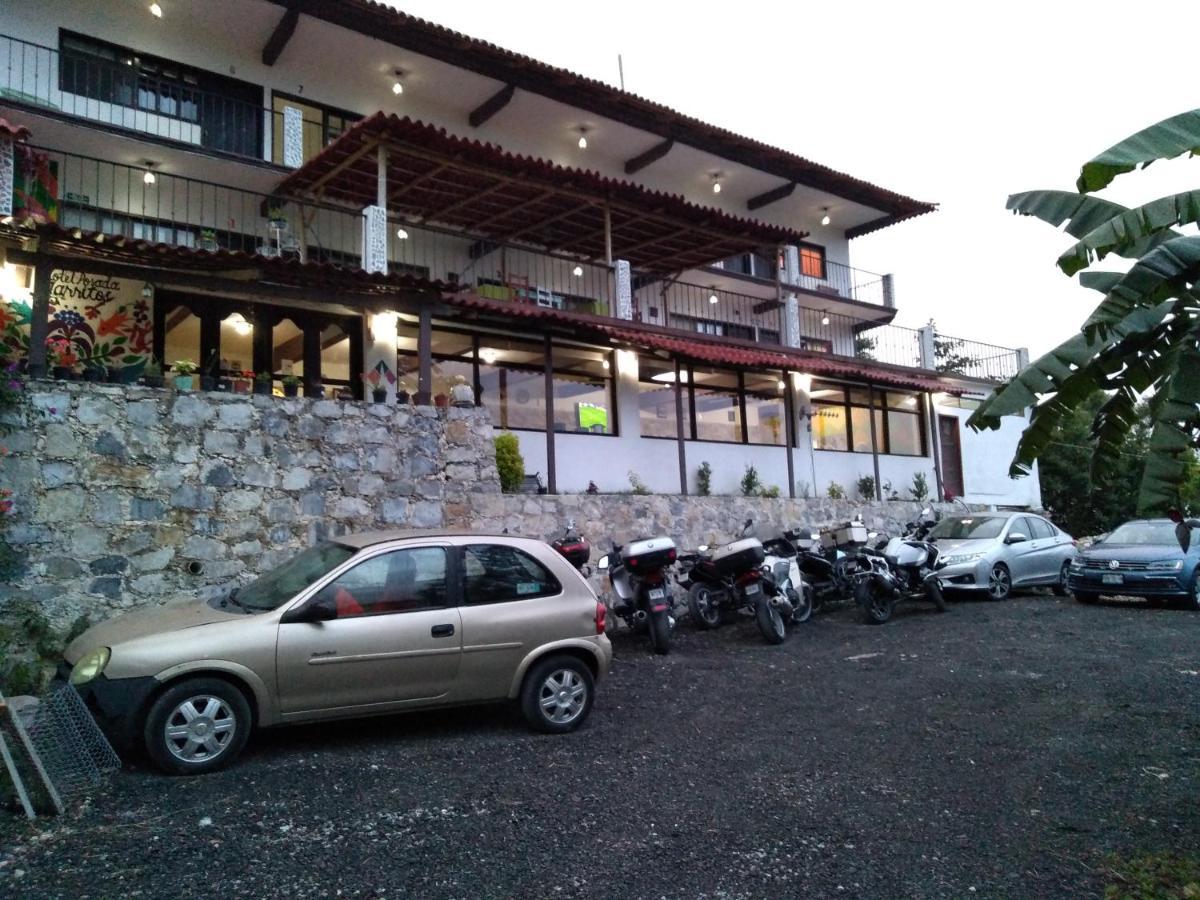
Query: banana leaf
x=1164 y=140
x=1164 y=272
x=1174 y=435
x=1134 y=232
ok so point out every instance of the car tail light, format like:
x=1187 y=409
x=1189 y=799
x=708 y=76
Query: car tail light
x=671 y=555
x=601 y=617
x=752 y=575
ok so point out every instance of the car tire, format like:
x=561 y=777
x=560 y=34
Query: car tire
x=704 y=604
x=1192 y=601
x=557 y=694
x=1060 y=588
x=1086 y=597
x=999 y=582
x=197 y=726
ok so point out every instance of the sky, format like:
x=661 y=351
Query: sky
x=957 y=103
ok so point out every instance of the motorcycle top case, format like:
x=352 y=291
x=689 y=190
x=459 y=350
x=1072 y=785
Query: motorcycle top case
x=577 y=551
x=849 y=533
x=648 y=553
x=739 y=556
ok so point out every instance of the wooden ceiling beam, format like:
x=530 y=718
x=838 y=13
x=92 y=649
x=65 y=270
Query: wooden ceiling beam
x=491 y=105
x=283 y=32
x=654 y=154
x=771 y=196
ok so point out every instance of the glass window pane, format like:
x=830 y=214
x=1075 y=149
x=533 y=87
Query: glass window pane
x=446 y=374
x=656 y=404
x=904 y=433
x=718 y=416
x=581 y=404
x=860 y=395
x=335 y=358
x=495 y=573
x=182 y=336
x=823 y=390
x=904 y=401
x=829 y=427
x=237 y=344
x=860 y=425
x=400 y=581
x=514 y=397
x=714 y=378
x=812 y=262
x=766 y=422
x=287 y=349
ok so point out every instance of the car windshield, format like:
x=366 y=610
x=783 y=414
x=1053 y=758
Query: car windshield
x=285 y=582
x=1146 y=533
x=963 y=528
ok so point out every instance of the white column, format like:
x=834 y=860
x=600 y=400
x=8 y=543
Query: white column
x=293 y=137
x=624 y=290
x=928 y=349
x=379 y=351
x=7 y=176
x=791 y=303
x=804 y=461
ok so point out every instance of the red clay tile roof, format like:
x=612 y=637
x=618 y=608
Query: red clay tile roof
x=16 y=132
x=386 y=23
x=479 y=187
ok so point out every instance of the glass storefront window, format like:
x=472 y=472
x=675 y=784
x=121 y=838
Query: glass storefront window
x=904 y=433
x=181 y=336
x=516 y=398
x=829 y=427
x=766 y=420
x=237 y=344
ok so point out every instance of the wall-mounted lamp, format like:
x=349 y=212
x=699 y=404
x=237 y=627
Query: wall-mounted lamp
x=384 y=325
x=802 y=382
x=156 y=10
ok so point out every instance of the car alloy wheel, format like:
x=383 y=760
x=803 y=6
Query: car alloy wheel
x=562 y=696
x=999 y=583
x=199 y=729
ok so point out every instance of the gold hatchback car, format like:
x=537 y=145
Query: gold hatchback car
x=363 y=624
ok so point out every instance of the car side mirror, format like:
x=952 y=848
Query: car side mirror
x=602 y=562
x=320 y=608
x=1015 y=538
x=1183 y=533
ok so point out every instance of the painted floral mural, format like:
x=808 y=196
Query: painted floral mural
x=105 y=321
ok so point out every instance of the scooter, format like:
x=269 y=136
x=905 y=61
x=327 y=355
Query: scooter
x=730 y=578
x=637 y=572
x=905 y=569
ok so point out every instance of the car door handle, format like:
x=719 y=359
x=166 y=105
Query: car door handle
x=441 y=631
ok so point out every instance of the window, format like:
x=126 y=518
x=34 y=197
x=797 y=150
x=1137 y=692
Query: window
x=272 y=590
x=766 y=421
x=716 y=405
x=656 y=399
x=322 y=125
x=496 y=573
x=958 y=528
x=812 y=261
x=399 y=581
x=842 y=419
x=1038 y=528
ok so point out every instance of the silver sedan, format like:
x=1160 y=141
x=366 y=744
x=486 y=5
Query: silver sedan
x=999 y=551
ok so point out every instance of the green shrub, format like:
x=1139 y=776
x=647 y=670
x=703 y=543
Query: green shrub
x=803 y=489
x=920 y=486
x=771 y=492
x=704 y=480
x=835 y=491
x=509 y=462
x=637 y=485
x=751 y=483
x=866 y=487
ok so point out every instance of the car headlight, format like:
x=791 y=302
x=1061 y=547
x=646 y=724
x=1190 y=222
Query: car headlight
x=1077 y=563
x=90 y=665
x=960 y=558
x=1166 y=565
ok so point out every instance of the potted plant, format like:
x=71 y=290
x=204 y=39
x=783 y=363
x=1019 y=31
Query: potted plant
x=441 y=401
x=60 y=357
x=291 y=385
x=208 y=239
x=242 y=382
x=94 y=371
x=152 y=375
x=402 y=394
x=375 y=385
x=116 y=374
x=276 y=217
x=262 y=383
x=208 y=377
x=184 y=371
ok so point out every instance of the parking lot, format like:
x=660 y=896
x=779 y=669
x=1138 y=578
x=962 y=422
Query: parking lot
x=999 y=750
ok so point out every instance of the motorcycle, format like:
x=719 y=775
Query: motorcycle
x=782 y=569
x=828 y=573
x=730 y=578
x=904 y=569
x=573 y=546
x=637 y=572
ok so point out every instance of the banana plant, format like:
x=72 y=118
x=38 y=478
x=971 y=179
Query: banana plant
x=1143 y=338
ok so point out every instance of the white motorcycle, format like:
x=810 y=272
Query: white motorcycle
x=781 y=568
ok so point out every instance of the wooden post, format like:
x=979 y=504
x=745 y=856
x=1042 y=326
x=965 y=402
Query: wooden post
x=874 y=438
x=789 y=430
x=935 y=436
x=39 y=326
x=381 y=160
x=424 y=356
x=683 y=485
x=779 y=295
x=548 y=369
x=608 y=261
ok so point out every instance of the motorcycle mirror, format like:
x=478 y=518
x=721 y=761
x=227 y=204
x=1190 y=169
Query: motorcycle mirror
x=602 y=562
x=703 y=548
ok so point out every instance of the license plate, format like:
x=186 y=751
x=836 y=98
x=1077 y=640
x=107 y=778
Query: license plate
x=752 y=589
x=1112 y=579
x=657 y=593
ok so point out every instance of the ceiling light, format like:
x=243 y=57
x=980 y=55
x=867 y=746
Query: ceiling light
x=669 y=377
x=488 y=355
x=577 y=271
x=781 y=385
x=397 y=86
x=605 y=363
x=402 y=234
x=713 y=298
x=148 y=177
x=582 y=138
x=825 y=319
x=716 y=185
x=239 y=324
x=825 y=218
x=156 y=10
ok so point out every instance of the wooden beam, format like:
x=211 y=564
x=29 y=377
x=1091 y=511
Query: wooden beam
x=281 y=35
x=680 y=440
x=424 y=356
x=39 y=324
x=548 y=376
x=767 y=197
x=565 y=214
x=491 y=105
x=655 y=153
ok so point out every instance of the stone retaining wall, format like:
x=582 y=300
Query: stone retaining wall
x=130 y=495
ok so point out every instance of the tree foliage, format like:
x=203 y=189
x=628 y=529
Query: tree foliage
x=1141 y=341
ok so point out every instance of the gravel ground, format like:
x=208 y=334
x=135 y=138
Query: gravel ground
x=999 y=750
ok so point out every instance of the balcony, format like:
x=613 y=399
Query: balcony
x=94 y=195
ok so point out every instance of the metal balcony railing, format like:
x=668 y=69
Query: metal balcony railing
x=837 y=282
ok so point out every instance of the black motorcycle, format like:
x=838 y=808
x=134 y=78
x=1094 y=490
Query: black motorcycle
x=638 y=573
x=828 y=572
x=904 y=568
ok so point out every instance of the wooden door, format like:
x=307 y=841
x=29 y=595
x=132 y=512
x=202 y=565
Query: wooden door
x=952 y=472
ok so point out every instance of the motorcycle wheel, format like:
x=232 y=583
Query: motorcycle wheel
x=770 y=621
x=934 y=590
x=876 y=607
x=660 y=633
x=705 y=606
x=802 y=604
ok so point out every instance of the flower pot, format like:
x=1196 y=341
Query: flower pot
x=291 y=390
x=263 y=388
x=208 y=383
x=441 y=401
x=154 y=381
x=94 y=374
x=402 y=397
x=62 y=373
x=315 y=391
x=241 y=385
x=379 y=395
x=184 y=382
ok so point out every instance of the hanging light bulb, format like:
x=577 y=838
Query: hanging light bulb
x=712 y=298
x=239 y=324
x=397 y=85
x=781 y=385
x=582 y=138
x=148 y=177
x=606 y=365
x=825 y=218
x=401 y=234
x=156 y=10
x=577 y=271
x=716 y=185
x=825 y=319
